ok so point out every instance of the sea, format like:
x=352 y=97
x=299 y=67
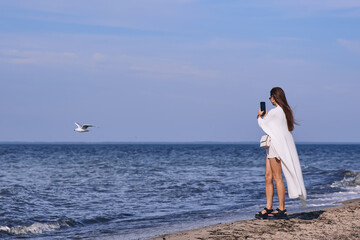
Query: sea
x=139 y=191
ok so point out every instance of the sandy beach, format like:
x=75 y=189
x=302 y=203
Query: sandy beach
x=340 y=222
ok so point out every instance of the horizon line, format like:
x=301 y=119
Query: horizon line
x=164 y=142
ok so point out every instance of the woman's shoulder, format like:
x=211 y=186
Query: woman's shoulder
x=279 y=111
x=276 y=110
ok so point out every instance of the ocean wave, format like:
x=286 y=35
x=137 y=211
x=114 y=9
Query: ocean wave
x=351 y=179
x=37 y=227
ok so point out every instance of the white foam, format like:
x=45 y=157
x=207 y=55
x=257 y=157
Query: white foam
x=327 y=200
x=5 y=229
x=35 y=228
x=351 y=179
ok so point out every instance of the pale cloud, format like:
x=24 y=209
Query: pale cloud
x=9 y=52
x=351 y=45
x=289 y=62
x=17 y=56
x=288 y=39
x=172 y=69
x=69 y=54
x=98 y=57
x=319 y=4
x=234 y=44
x=22 y=60
x=227 y=44
x=306 y=8
x=126 y=14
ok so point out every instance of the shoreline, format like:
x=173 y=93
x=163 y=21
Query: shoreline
x=339 y=222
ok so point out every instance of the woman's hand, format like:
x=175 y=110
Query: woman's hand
x=260 y=113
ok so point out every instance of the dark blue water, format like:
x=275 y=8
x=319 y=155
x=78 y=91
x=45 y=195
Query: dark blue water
x=124 y=191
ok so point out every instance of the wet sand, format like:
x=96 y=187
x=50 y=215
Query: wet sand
x=341 y=222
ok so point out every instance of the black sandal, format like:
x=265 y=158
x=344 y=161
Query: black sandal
x=261 y=215
x=279 y=214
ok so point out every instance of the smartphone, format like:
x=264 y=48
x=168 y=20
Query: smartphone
x=263 y=107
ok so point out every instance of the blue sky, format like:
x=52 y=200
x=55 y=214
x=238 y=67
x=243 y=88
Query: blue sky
x=180 y=70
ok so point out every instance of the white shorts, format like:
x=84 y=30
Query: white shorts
x=271 y=152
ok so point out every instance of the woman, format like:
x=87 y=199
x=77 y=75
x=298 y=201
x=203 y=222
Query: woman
x=282 y=154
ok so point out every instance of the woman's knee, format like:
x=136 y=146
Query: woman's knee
x=268 y=177
x=278 y=179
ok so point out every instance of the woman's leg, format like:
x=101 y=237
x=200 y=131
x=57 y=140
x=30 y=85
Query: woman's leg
x=269 y=185
x=275 y=165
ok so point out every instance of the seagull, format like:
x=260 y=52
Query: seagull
x=82 y=128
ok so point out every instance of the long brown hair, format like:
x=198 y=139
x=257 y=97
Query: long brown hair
x=279 y=96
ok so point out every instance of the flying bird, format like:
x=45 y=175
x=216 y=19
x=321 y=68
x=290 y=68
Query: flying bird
x=82 y=128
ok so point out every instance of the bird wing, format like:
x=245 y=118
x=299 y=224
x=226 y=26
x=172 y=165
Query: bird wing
x=85 y=126
x=78 y=125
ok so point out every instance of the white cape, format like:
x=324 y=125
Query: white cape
x=275 y=125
